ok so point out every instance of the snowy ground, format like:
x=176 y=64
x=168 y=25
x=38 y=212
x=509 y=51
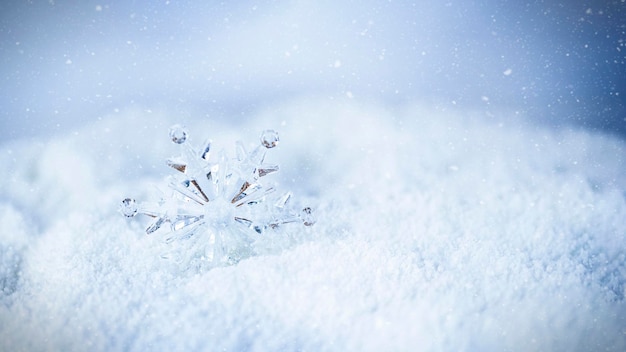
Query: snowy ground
x=436 y=231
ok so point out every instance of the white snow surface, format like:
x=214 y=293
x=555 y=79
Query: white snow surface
x=437 y=230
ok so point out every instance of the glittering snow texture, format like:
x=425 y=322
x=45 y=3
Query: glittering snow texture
x=436 y=231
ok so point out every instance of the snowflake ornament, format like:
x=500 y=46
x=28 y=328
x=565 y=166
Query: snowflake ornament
x=219 y=209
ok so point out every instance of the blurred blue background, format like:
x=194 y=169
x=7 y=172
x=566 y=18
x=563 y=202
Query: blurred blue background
x=65 y=63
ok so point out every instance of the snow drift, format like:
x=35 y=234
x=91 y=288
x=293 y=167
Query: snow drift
x=436 y=230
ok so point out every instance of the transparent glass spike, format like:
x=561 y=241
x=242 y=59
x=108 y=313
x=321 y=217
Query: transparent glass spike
x=185 y=190
x=240 y=151
x=195 y=187
x=258 y=228
x=264 y=170
x=184 y=221
x=244 y=221
x=257 y=156
x=183 y=229
x=155 y=225
x=246 y=190
x=255 y=197
x=177 y=165
x=205 y=153
x=151 y=209
x=282 y=200
x=288 y=219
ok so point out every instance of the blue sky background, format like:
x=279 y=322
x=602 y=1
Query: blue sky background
x=64 y=63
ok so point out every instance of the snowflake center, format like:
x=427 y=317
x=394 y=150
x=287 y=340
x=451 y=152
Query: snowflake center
x=219 y=213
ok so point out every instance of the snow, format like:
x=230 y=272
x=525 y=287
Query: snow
x=435 y=231
x=467 y=176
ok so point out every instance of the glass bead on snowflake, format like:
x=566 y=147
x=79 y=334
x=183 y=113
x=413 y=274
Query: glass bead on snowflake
x=178 y=134
x=269 y=138
x=129 y=207
x=219 y=209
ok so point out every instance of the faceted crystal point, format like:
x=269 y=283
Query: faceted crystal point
x=269 y=139
x=282 y=200
x=205 y=153
x=178 y=134
x=128 y=207
x=267 y=169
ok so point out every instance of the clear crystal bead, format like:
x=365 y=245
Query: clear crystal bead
x=129 y=207
x=269 y=139
x=178 y=134
x=307 y=216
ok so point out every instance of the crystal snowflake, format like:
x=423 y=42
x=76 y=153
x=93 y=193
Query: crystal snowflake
x=219 y=209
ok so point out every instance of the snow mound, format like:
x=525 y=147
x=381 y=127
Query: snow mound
x=436 y=231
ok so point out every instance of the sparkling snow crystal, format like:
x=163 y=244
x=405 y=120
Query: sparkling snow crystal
x=220 y=208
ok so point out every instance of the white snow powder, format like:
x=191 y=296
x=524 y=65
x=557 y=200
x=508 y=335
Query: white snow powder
x=436 y=231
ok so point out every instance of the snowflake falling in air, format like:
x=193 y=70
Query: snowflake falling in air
x=219 y=209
